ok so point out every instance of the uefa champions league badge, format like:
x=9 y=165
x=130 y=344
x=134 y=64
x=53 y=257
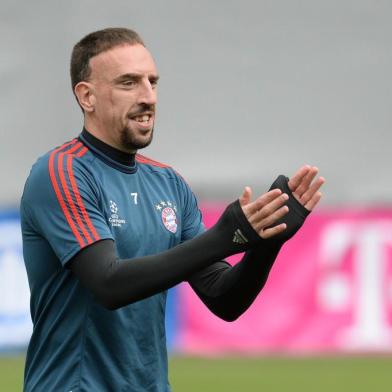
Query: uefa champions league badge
x=114 y=219
x=168 y=214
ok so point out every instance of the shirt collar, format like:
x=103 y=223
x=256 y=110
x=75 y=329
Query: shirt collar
x=122 y=160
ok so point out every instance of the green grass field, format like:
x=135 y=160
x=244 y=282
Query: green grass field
x=275 y=374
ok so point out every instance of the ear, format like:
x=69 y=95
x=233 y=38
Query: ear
x=85 y=95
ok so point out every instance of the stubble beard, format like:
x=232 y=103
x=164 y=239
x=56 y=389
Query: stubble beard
x=131 y=142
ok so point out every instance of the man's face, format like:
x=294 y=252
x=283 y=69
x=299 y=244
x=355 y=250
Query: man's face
x=124 y=81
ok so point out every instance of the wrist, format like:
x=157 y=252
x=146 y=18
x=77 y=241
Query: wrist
x=235 y=228
x=296 y=216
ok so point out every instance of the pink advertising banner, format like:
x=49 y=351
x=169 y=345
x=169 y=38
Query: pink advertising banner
x=330 y=290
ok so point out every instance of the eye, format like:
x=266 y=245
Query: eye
x=153 y=82
x=128 y=83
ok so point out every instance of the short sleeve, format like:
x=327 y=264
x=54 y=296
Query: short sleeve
x=61 y=201
x=192 y=217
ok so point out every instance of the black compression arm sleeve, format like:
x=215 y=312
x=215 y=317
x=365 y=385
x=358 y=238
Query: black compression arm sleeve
x=296 y=215
x=229 y=291
x=116 y=283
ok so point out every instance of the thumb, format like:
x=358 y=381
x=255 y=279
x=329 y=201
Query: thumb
x=246 y=196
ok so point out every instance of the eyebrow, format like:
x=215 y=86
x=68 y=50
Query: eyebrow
x=134 y=76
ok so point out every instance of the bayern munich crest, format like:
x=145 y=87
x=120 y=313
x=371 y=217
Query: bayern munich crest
x=168 y=214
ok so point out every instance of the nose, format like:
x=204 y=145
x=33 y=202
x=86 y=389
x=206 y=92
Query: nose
x=148 y=94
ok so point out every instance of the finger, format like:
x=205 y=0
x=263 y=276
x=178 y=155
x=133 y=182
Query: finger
x=315 y=186
x=313 y=201
x=272 y=206
x=271 y=219
x=270 y=232
x=268 y=209
x=263 y=200
x=295 y=180
x=306 y=181
x=246 y=196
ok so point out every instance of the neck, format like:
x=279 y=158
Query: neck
x=122 y=157
x=99 y=132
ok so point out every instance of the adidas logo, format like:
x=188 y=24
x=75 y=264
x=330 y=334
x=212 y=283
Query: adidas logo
x=239 y=238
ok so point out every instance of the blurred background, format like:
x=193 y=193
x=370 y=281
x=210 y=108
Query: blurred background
x=248 y=90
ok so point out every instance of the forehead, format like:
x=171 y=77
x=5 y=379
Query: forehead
x=123 y=60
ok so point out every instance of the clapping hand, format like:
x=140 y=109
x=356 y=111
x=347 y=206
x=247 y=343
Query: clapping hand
x=305 y=186
x=268 y=209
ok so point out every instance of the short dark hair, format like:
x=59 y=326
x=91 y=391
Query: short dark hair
x=95 y=43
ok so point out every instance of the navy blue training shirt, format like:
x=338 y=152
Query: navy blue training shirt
x=74 y=196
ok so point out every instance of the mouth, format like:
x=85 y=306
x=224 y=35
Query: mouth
x=144 y=120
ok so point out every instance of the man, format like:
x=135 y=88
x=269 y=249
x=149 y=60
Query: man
x=107 y=231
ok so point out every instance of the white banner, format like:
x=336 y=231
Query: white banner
x=15 y=321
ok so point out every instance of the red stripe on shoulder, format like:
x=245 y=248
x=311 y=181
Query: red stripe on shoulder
x=58 y=193
x=79 y=199
x=145 y=160
x=67 y=191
